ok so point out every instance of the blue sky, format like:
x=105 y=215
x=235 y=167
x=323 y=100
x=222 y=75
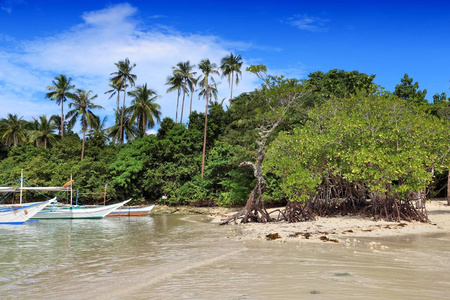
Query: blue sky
x=82 y=39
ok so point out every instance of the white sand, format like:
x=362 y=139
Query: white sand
x=347 y=228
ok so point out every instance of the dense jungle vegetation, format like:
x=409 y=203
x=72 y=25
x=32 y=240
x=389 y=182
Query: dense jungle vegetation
x=332 y=143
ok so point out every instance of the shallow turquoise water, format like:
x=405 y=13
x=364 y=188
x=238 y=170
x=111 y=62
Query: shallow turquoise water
x=172 y=257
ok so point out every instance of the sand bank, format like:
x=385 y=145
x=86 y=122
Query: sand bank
x=344 y=229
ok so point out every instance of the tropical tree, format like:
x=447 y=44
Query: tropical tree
x=61 y=90
x=441 y=108
x=144 y=108
x=57 y=121
x=82 y=107
x=123 y=77
x=98 y=130
x=378 y=146
x=115 y=90
x=410 y=91
x=337 y=84
x=231 y=67
x=272 y=102
x=129 y=130
x=13 y=130
x=208 y=89
x=43 y=132
x=176 y=84
x=184 y=70
x=192 y=84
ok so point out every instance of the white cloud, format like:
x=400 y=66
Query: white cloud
x=308 y=23
x=87 y=53
x=151 y=131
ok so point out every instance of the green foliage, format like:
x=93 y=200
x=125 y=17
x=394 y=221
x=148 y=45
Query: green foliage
x=144 y=108
x=337 y=84
x=55 y=166
x=229 y=183
x=441 y=106
x=231 y=68
x=259 y=70
x=300 y=160
x=42 y=133
x=274 y=195
x=165 y=164
x=60 y=90
x=410 y=91
x=128 y=168
x=195 y=191
x=378 y=140
x=354 y=132
x=13 y=130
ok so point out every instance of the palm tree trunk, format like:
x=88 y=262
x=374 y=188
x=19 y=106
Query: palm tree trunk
x=118 y=99
x=231 y=87
x=144 y=122
x=192 y=95
x=121 y=138
x=82 y=144
x=178 y=102
x=182 y=104
x=204 y=135
x=62 y=119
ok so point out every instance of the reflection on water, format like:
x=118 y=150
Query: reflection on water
x=162 y=257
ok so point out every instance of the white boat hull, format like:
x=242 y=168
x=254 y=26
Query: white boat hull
x=78 y=212
x=20 y=215
x=131 y=211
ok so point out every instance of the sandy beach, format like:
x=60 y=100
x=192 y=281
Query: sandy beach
x=343 y=229
x=182 y=255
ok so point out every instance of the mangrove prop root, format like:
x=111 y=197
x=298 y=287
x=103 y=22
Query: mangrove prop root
x=335 y=197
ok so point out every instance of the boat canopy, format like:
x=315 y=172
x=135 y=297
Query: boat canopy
x=9 y=189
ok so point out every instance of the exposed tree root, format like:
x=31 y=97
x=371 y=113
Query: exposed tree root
x=383 y=207
x=335 y=196
x=253 y=211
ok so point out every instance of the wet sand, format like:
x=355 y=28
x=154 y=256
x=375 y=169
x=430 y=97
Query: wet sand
x=359 y=259
x=180 y=256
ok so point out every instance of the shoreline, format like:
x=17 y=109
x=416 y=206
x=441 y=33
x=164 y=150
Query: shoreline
x=214 y=211
x=340 y=229
x=347 y=229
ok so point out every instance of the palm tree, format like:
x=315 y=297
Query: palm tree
x=184 y=70
x=56 y=120
x=143 y=108
x=129 y=129
x=83 y=106
x=208 y=87
x=192 y=84
x=98 y=130
x=13 y=130
x=176 y=84
x=43 y=132
x=116 y=88
x=60 y=91
x=230 y=66
x=123 y=77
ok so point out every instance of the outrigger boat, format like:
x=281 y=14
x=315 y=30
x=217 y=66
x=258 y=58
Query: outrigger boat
x=77 y=212
x=21 y=214
x=63 y=211
x=131 y=211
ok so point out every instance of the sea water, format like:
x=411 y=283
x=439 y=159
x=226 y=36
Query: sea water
x=187 y=257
